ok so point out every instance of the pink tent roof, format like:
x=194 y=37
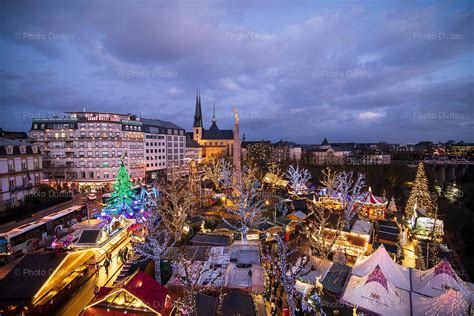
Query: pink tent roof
x=438 y=280
x=372 y=199
x=377 y=276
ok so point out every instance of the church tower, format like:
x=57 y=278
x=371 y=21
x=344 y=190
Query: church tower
x=197 y=126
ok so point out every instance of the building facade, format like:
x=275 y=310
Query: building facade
x=165 y=148
x=20 y=171
x=84 y=148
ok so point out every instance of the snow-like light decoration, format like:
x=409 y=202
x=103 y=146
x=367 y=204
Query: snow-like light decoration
x=449 y=303
x=298 y=178
x=286 y=272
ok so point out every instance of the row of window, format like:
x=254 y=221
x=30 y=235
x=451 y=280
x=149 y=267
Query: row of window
x=24 y=165
x=25 y=180
x=148 y=151
x=156 y=157
x=9 y=149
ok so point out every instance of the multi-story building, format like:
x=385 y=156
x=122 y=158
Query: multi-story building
x=84 y=148
x=20 y=171
x=165 y=147
x=284 y=151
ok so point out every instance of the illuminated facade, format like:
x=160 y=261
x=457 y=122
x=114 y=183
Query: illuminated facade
x=85 y=147
x=213 y=141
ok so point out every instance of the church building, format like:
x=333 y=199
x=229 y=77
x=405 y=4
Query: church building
x=213 y=141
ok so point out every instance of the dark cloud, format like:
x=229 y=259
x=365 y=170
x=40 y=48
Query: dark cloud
x=353 y=72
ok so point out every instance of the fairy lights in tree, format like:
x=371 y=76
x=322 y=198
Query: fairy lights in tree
x=286 y=269
x=321 y=243
x=157 y=243
x=298 y=178
x=219 y=171
x=350 y=188
x=177 y=204
x=420 y=194
x=245 y=204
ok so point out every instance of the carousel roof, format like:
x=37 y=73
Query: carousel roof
x=437 y=280
x=372 y=199
x=450 y=303
x=398 y=275
x=375 y=293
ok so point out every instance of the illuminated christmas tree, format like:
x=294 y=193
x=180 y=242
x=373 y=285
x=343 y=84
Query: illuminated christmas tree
x=122 y=193
x=420 y=194
x=122 y=200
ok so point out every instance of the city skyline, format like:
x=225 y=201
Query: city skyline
x=357 y=72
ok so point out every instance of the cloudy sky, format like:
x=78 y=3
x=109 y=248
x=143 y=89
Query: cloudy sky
x=397 y=71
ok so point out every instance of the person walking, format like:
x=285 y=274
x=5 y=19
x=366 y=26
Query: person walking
x=97 y=269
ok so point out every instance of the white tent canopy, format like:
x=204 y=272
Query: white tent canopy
x=450 y=303
x=398 y=275
x=437 y=280
x=376 y=294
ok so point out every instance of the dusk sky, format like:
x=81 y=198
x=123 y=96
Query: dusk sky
x=369 y=71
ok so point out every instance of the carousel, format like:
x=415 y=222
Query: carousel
x=373 y=207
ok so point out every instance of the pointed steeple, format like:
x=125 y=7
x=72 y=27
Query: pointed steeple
x=198 y=112
x=213 y=112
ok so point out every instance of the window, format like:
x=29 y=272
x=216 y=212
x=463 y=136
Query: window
x=105 y=164
x=23 y=165
x=9 y=150
x=12 y=183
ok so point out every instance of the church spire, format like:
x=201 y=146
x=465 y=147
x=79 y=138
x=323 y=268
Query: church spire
x=198 y=112
x=213 y=112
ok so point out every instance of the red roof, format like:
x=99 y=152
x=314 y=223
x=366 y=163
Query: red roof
x=372 y=199
x=377 y=276
x=143 y=287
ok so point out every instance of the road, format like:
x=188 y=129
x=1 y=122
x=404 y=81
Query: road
x=85 y=294
x=78 y=199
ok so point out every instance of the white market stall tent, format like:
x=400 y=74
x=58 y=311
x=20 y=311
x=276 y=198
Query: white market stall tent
x=437 y=280
x=376 y=294
x=396 y=274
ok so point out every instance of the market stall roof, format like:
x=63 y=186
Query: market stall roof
x=396 y=274
x=89 y=237
x=211 y=240
x=390 y=248
x=336 y=278
x=143 y=288
x=436 y=280
x=26 y=279
x=375 y=293
x=362 y=227
x=314 y=268
x=238 y=303
x=206 y=305
x=297 y=216
x=451 y=302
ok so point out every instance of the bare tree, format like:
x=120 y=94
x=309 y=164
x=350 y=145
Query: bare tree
x=351 y=192
x=157 y=242
x=321 y=237
x=245 y=205
x=287 y=266
x=176 y=206
x=298 y=178
x=188 y=276
x=219 y=171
